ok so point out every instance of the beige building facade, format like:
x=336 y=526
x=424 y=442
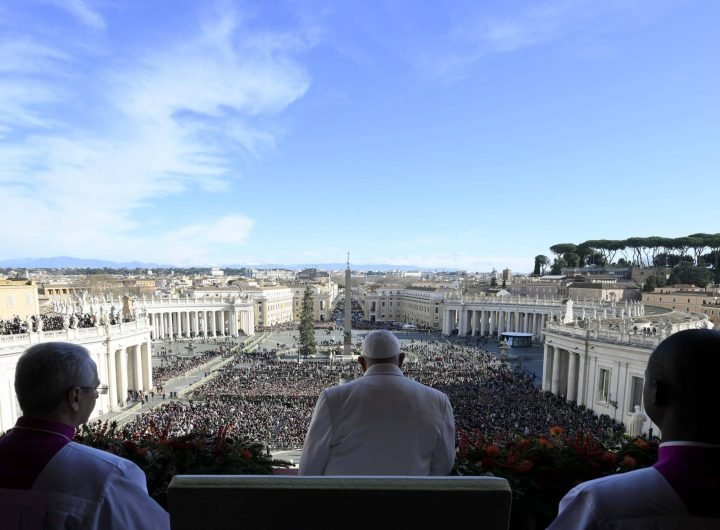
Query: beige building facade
x=687 y=298
x=18 y=297
x=323 y=296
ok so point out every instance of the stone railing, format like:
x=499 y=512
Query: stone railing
x=72 y=334
x=191 y=301
x=618 y=337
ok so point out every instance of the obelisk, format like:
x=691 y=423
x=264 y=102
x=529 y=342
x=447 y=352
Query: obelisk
x=347 y=339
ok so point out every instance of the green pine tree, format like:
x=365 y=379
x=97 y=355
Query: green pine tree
x=307 y=326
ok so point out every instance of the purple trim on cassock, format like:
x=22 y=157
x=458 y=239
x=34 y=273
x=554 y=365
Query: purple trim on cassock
x=25 y=451
x=694 y=474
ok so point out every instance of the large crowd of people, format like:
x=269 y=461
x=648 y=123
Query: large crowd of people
x=260 y=398
x=170 y=368
x=56 y=322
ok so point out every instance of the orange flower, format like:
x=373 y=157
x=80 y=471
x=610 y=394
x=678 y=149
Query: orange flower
x=544 y=443
x=523 y=443
x=629 y=461
x=556 y=430
x=492 y=450
x=642 y=444
x=609 y=458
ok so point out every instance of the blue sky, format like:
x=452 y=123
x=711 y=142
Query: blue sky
x=455 y=134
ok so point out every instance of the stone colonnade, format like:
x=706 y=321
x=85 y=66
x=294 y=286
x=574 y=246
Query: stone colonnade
x=125 y=367
x=122 y=354
x=190 y=319
x=561 y=373
x=494 y=320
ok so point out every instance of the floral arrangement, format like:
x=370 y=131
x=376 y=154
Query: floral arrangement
x=542 y=469
x=162 y=457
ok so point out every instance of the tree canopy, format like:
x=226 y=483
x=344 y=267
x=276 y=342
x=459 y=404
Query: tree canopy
x=307 y=345
x=695 y=258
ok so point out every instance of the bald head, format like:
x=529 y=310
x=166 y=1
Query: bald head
x=680 y=394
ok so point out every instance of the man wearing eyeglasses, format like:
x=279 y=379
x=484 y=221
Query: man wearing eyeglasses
x=49 y=481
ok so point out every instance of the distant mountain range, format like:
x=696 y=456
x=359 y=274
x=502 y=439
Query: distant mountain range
x=68 y=262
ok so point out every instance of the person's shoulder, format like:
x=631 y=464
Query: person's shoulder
x=648 y=474
x=644 y=486
x=98 y=457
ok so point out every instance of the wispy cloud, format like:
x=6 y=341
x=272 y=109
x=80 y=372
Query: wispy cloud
x=79 y=165
x=82 y=12
x=481 y=34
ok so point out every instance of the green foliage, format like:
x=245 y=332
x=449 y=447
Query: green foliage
x=687 y=273
x=307 y=325
x=558 y=264
x=563 y=248
x=162 y=457
x=541 y=262
x=542 y=469
x=645 y=251
x=650 y=284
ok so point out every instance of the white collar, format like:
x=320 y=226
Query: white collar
x=689 y=444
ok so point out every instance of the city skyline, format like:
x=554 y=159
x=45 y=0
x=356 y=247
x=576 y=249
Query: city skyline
x=458 y=136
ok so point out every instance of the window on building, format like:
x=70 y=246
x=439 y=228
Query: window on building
x=636 y=392
x=604 y=385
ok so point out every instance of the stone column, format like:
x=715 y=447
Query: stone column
x=482 y=322
x=146 y=362
x=212 y=322
x=123 y=373
x=233 y=322
x=112 y=379
x=547 y=367
x=195 y=323
x=161 y=326
x=138 y=366
x=581 y=380
x=572 y=378
x=555 y=381
x=462 y=328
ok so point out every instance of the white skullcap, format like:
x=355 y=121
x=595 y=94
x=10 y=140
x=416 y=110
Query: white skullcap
x=380 y=344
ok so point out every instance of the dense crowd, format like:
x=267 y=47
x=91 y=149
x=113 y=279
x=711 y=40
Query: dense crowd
x=262 y=399
x=171 y=368
x=56 y=322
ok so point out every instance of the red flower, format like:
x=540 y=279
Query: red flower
x=492 y=450
x=642 y=444
x=246 y=454
x=609 y=459
x=544 y=443
x=629 y=461
x=523 y=443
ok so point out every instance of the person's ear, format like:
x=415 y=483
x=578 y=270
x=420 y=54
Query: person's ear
x=401 y=358
x=73 y=398
x=362 y=362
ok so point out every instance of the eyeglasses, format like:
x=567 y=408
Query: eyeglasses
x=102 y=389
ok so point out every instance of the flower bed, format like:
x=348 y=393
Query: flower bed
x=542 y=469
x=161 y=457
